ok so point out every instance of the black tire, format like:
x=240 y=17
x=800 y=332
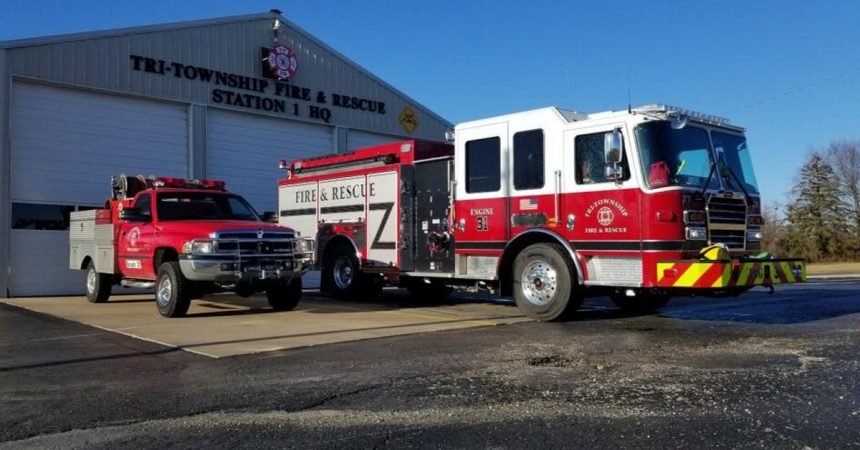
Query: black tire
x=285 y=296
x=171 y=291
x=434 y=291
x=543 y=283
x=98 y=285
x=344 y=278
x=640 y=304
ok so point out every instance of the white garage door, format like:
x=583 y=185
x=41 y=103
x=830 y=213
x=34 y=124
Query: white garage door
x=65 y=146
x=244 y=151
x=360 y=139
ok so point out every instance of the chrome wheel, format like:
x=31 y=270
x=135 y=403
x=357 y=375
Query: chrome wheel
x=343 y=272
x=91 y=281
x=539 y=282
x=164 y=292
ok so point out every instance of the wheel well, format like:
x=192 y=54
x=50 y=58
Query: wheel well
x=506 y=264
x=334 y=243
x=86 y=263
x=163 y=255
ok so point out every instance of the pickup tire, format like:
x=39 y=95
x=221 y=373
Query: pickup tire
x=285 y=296
x=171 y=291
x=98 y=285
x=544 y=283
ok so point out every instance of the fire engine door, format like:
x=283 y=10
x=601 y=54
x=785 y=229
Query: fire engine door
x=135 y=243
x=481 y=211
x=600 y=214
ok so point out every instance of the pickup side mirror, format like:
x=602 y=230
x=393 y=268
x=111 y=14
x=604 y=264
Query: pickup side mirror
x=269 y=216
x=134 y=215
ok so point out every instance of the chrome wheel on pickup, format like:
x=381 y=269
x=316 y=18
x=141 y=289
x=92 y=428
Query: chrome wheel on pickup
x=98 y=285
x=171 y=291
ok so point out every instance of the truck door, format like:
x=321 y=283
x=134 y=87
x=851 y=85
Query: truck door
x=135 y=242
x=601 y=216
x=481 y=211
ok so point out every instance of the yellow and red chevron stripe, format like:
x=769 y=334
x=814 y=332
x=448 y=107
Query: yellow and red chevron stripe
x=727 y=274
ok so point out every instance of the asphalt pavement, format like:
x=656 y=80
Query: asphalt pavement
x=759 y=371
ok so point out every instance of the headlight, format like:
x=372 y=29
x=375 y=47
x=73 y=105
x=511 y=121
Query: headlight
x=199 y=247
x=304 y=245
x=696 y=234
x=754 y=235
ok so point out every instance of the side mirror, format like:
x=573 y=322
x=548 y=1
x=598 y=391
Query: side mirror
x=613 y=147
x=133 y=215
x=269 y=216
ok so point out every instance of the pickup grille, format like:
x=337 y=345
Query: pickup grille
x=727 y=218
x=255 y=242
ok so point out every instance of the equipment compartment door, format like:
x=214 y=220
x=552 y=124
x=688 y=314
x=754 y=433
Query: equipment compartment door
x=434 y=243
x=383 y=219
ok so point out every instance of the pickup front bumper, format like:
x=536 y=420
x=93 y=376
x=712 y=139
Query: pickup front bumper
x=226 y=270
x=249 y=260
x=729 y=274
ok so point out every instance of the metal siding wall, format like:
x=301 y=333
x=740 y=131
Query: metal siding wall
x=104 y=63
x=197 y=136
x=244 y=151
x=360 y=139
x=5 y=183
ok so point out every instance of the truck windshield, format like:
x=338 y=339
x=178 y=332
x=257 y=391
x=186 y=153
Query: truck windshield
x=733 y=149
x=675 y=157
x=203 y=206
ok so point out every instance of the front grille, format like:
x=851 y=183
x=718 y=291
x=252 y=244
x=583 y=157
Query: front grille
x=255 y=242
x=261 y=247
x=727 y=218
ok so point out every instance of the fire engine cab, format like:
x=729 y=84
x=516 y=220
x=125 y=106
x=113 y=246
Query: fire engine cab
x=185 y=238
x=547 y=205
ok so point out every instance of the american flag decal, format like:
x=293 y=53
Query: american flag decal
x=528 y=204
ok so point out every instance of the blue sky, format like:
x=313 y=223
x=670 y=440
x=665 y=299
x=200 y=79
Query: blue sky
x=789 y=71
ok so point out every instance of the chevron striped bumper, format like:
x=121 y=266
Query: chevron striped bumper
x=703 y=274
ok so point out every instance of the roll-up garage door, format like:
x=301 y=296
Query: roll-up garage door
x=360 y=139
x=244 y=151
x=65 y=146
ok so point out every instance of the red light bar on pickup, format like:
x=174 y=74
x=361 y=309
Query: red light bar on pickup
x=169 y=182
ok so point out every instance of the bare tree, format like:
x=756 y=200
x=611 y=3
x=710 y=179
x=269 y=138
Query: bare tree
x=844 y=156
x=773 y=231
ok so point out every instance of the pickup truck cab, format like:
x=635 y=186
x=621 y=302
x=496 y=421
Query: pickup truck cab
x=185 y=239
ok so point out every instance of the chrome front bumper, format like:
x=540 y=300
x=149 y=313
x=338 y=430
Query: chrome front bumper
x=227 y=270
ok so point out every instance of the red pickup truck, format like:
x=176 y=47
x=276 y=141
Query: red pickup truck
x=185 y=239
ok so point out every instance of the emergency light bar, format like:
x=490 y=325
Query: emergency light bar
x=170 y=182
x=669 y=110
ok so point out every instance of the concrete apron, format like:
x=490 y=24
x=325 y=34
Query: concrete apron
x=226 y=325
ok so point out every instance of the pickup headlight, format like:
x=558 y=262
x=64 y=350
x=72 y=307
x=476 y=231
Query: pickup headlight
x=198 y=247
x=304 y=245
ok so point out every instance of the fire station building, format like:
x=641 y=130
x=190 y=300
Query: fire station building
x=223 y=99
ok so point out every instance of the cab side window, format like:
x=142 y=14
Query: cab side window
x=528 y=160
x=483 y=165
x=590 y=161
x=144 y=205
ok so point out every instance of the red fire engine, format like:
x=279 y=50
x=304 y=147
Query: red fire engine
x=185 y=238
x=546 y=205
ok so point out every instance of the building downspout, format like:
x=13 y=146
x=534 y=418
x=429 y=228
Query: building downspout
x=5 y=174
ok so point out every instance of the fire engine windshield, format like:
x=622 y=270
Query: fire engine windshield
x=683 y=157
x=203 y=206
x=675 y=157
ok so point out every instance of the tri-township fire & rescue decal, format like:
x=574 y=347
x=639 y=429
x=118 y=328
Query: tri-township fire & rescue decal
x=606 y=211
